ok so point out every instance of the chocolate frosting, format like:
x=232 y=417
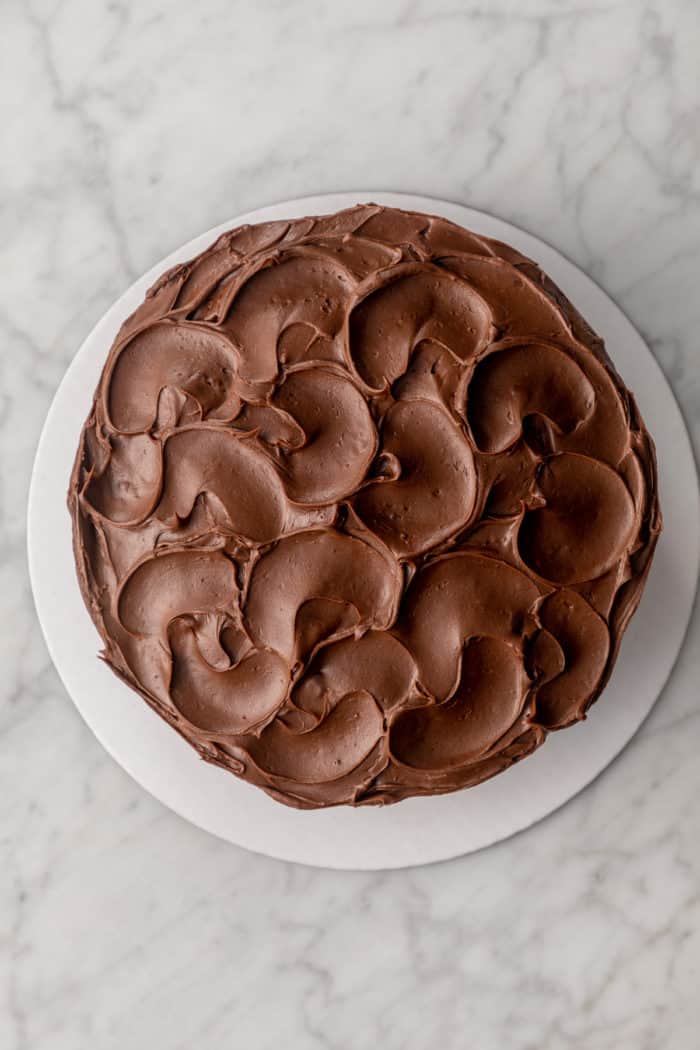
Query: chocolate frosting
x=362 y=508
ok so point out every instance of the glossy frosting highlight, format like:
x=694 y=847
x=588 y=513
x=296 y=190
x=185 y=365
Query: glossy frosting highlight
x=361 y=507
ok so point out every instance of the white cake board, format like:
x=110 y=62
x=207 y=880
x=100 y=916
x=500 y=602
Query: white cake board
x=416 y=831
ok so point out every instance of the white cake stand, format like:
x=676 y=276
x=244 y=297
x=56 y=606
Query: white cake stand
x=416 y=831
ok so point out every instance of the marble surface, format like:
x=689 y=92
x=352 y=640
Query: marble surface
x=127 y=129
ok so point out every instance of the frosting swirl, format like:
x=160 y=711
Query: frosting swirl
x=362 y=507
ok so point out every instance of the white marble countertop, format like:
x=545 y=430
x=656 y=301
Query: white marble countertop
x=127 y=129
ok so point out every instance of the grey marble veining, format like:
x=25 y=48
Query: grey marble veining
x=128 y=128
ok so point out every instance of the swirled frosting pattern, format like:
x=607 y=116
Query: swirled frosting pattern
x=362 y=508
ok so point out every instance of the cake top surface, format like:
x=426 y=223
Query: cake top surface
x=361 y=507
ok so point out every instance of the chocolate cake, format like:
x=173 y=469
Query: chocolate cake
x=362 y=508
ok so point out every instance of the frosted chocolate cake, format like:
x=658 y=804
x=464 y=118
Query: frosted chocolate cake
x=362 y=508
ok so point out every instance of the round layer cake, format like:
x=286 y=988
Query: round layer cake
x=362 y=508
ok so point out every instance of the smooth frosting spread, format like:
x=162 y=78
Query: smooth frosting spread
x=362 y=508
